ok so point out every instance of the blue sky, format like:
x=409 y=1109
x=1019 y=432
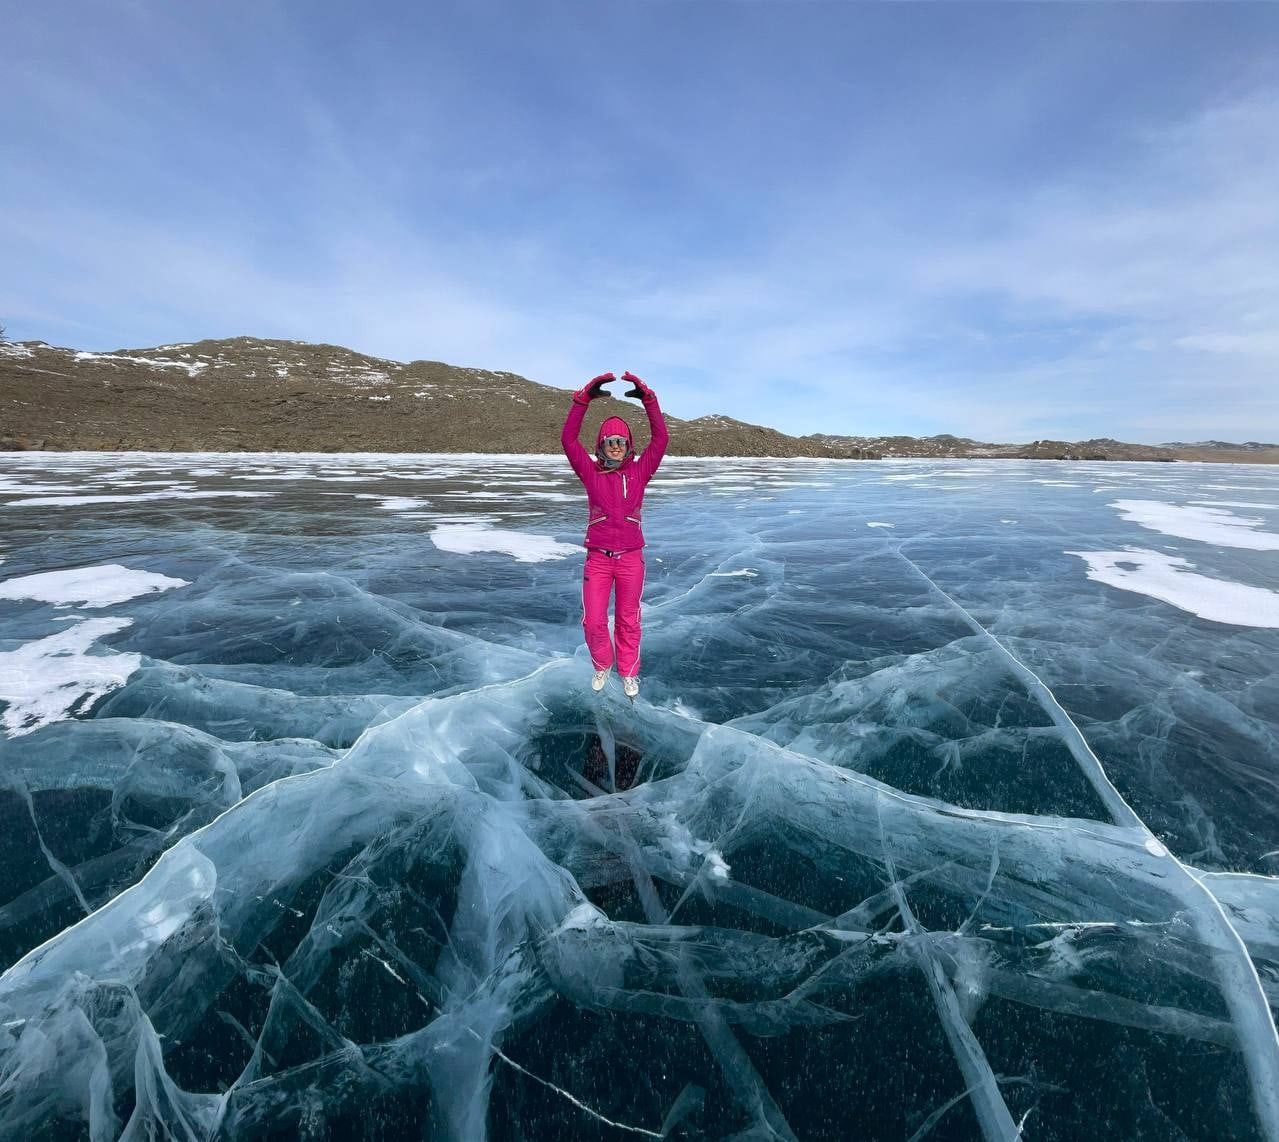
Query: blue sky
x=1009 y=221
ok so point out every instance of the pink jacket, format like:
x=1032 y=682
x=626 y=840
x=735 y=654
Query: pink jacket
x=615 y=500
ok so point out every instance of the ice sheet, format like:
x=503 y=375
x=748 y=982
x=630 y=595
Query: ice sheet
x=935 y=829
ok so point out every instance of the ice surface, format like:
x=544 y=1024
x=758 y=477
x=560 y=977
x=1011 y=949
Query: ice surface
x=310 y=825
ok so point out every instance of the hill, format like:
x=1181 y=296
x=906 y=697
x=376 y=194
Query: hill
x=248 y=394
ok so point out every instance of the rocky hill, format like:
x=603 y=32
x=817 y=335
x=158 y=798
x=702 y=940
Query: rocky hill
x=254 y=395
x=249 y=394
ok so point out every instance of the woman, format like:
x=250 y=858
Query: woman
x=615 y=479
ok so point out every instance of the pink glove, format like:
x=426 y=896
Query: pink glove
x=593 y=388
x=638 y=388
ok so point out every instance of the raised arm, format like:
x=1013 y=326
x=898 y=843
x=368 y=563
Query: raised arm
x=577 y=455
x=651 y=457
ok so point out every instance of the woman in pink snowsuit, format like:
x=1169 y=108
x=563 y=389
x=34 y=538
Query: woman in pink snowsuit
x=615 y=479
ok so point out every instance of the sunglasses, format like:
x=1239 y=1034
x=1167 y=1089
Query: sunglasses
x=614 y=442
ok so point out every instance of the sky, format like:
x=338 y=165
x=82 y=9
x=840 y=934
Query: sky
x=1001 y=220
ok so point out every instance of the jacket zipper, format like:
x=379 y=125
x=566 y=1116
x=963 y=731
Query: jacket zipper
x=623 y=485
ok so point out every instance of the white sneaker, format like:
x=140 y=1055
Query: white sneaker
x=598 y=679
x=630 y=686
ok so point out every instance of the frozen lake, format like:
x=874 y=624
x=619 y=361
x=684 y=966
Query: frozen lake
x=948 y=808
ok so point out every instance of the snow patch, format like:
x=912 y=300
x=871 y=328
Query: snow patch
x=524 y=547
x=1208 y=525
x=100 y=586
x=1172 y=580
x=397 y=503
x=53 y=678
x=191 y=367
x=177 y=494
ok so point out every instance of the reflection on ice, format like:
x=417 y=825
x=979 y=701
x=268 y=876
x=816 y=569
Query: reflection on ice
x=918 y=829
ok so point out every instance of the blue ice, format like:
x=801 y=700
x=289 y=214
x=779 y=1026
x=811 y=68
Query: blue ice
x=947 y=809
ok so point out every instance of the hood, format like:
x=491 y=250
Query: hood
x=614 y=426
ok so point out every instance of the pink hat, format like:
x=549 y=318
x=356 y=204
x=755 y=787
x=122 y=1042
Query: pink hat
x=614 y=426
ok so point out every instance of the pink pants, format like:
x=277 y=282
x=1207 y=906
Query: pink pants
x=600 y=574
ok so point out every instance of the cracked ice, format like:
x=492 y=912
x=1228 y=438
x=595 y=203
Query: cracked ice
x=310 y=825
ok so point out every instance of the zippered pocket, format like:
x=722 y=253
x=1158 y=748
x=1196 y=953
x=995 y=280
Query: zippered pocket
x=633 y=518
x=593 y=522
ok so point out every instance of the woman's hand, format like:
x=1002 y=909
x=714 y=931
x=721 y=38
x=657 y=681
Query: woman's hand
x=593 y=388
x=638 y=388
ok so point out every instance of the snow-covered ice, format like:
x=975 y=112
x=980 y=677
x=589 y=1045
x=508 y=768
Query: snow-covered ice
x=50 y=678
x=126 y=498
x=924 y=824
x=99 y=586
x=1205 y=524
x=467 y=539
x=1172 y=579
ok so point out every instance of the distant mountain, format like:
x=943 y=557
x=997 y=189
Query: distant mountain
x=1221 y=445
x=247 y=394
x=1101 y=448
